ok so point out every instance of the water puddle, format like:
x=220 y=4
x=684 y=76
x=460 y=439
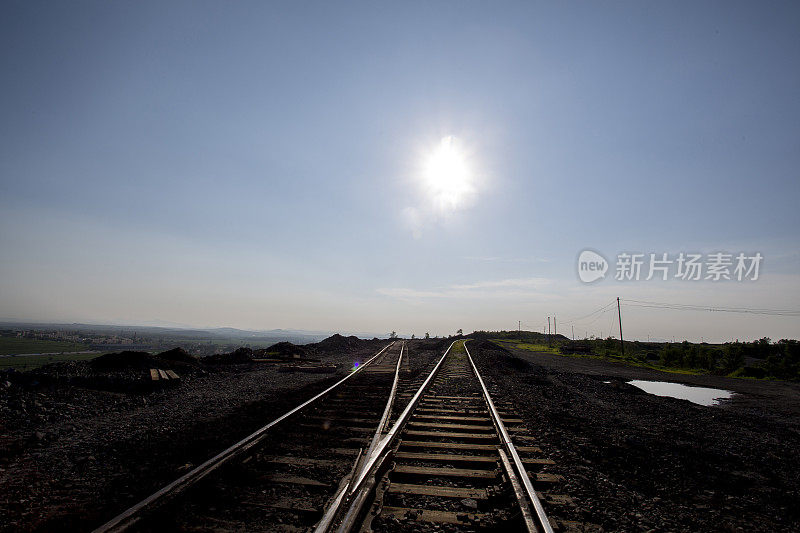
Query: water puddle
x=698 y=395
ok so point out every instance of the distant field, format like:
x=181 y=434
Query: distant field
x=29 y=362
x=232 y=342
x=14 y=345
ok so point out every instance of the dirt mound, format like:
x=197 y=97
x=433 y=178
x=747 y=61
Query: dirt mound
x=238 y=357
x=488 y=345
x=176 y=359
x=123 y=360
x=282 y=349
x=179 y=355
x=434 y=344
x=118 y=372
x=338 y=343
x=501 y=357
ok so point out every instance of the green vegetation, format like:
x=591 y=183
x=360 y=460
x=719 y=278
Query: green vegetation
x=458 y=350
x=21 y=345
x=761 y=359
x=29 y=362
x=533 y=347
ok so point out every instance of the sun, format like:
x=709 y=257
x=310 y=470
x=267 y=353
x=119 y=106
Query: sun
x=446 y=174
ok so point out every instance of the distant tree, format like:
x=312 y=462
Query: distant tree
x=412 y=336
x=763 y=347
x=393 y=335
x=732 y=357
x=460 y=331
x=671 y=355
x=427 y=335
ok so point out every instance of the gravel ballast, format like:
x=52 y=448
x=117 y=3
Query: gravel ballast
x=639 y=462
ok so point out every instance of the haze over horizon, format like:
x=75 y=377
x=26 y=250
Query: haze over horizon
x=420 y=168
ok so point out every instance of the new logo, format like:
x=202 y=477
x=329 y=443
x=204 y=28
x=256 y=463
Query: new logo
x=591 y=266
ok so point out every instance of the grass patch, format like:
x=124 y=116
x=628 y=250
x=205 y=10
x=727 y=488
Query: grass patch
x=543 y=348
x=761 y=359
x=529 y=346
x=458 y=349
x=20 y=345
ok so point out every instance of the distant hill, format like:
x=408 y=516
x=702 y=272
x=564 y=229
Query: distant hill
x=297 y=336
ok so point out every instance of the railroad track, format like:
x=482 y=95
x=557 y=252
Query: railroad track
x=283 y=474
x=457 y=460
x=380 y=450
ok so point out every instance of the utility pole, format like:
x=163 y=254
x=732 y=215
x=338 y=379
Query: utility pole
x=621 y=342
x=573 y=332
x=555 y=329
x=548 y=331
x=519 y=328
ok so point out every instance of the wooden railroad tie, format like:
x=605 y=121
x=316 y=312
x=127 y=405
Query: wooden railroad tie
x=157 y=374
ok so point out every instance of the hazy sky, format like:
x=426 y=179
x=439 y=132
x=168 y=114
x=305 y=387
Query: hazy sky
x=263 y=165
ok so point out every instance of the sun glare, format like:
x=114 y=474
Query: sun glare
x=447 y=175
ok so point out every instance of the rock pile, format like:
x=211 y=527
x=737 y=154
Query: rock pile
x=338 y=343
x=282 y=350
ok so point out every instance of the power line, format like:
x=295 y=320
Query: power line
x=576 y=320
x=712 y=308
x=589 y=319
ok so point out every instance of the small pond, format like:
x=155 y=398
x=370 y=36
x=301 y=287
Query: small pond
x=698 y=395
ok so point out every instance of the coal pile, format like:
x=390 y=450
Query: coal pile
x=437 y=345
x=176 y=359
x=122 y=361
x=125 y=371
x=490 y=346
x=503 y=359
x=178 y=355
x=283 y=350
x=338 y=343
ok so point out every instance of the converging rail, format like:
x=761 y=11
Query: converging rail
x=325 y=414
x=382 y=449
x=449 y=458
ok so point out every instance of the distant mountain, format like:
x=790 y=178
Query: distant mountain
x=155 y=323
x=163 y=328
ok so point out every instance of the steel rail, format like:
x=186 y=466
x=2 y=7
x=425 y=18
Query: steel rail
x=544 y=523
x=389 y=404
x=131 y=515
x=519 y=493
x=333 y=509
x=366 y=479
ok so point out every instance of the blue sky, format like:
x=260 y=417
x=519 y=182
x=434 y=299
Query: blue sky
x=258 y=165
